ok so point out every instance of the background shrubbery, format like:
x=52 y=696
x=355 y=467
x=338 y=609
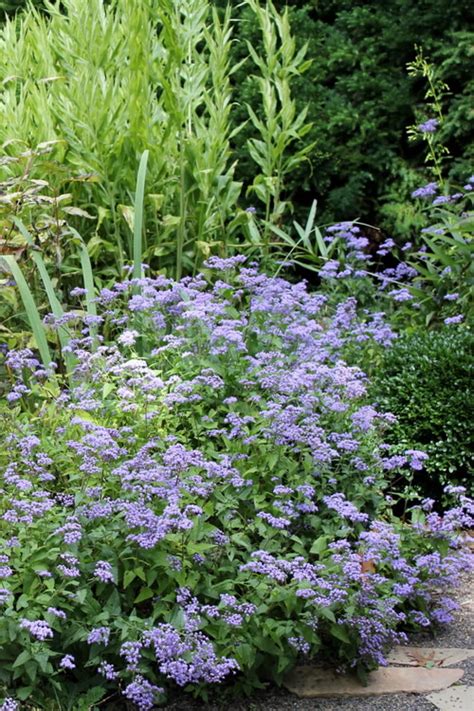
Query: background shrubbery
x=426 y=380
x=362 y=100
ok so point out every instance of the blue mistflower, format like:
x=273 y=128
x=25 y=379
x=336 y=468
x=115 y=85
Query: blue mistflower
x=429 y=126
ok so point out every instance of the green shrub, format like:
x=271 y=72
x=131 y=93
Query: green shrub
x=362 y=98
x=426 y=381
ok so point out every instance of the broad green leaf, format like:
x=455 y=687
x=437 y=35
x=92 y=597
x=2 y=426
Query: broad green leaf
x=340 y=633
x=144 y=594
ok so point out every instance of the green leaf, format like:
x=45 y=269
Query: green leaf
x=144 y=594
x=319 y=546
x=22 y=658
x=340 y=633
x=31 y=669
x=113 y=605
x=267 y=645
x=107 y=388
x=56 y=307
x=81 y=596
x=88 y=281
x=284 y=663
x=23 y=692
x=327 y=613
x=245 y=654
x=138 y=217
x=42 y=659
x=88 y=700
x=129 y=576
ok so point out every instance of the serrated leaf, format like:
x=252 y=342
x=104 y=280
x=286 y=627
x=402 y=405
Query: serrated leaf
x=319 y=545
x=23 y=692
x=129 y=577
x=340 y=632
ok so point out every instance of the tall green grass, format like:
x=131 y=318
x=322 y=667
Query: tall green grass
x=110 y=80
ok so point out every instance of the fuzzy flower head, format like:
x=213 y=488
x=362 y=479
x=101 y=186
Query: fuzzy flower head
x=142 y=693
x=107 y=671
x=99 y=635
x=67 y=662
x=10 y=704
x=103 y=572
x=5 y=594
x=428 y=190
x=450 y=320
x=128 y=338
x=39 y=629
x=429 y=126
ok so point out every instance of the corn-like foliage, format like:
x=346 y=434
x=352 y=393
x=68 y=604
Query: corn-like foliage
x=110 y=80
x=279 y=127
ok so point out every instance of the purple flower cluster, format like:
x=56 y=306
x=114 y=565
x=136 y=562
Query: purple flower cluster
x=187 y=658
x=344 y=508
x=227 y=482
x=142 y=693
x=67 y=662
x=39 y=629
x=99 y=635
x=428 y=190
x=429 y=126
x=103 y=572
x=10 y=704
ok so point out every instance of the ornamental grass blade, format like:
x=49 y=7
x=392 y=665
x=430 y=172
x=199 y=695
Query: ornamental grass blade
x=32 y=312
x=87 y=274
x=54 y=302
x=138 y=217
x=306 y=233
x=88 y=281
x=320 y=242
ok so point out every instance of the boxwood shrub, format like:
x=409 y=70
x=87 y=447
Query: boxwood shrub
x=426 y=380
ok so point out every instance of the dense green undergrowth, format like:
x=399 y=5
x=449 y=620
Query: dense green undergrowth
x=362 y=100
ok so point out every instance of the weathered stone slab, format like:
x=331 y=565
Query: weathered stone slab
x=311 y=681
x=459 y=698
x=429 y=656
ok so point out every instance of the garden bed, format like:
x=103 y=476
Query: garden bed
x=203 y=501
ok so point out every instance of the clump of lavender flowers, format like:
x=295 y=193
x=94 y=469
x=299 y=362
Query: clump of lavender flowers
x=185 y=510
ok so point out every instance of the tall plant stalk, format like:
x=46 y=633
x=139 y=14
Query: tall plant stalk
x=280 y=148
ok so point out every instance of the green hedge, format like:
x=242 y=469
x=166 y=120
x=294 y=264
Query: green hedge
x=426 y=380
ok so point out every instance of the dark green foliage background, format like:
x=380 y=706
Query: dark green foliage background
x=426 y=380
x=361 y=100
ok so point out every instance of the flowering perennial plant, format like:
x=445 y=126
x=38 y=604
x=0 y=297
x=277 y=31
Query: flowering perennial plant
x=428 y=280
x=206 y=501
